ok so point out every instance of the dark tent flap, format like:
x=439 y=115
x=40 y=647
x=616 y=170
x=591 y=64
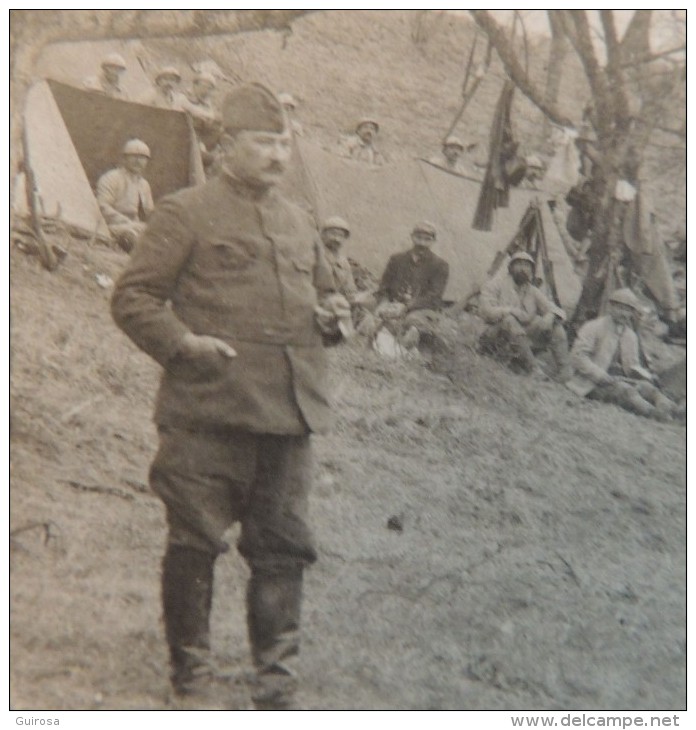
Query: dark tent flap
x=99 y=127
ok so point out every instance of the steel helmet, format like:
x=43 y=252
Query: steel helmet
x=425 y=227
x=205 y=76
x=521 y=256
x=168 y=71
x=367 y=120
x=453 y=142
x=335 y=222
x=136 y=147
x=287 y=99
x=627 y=298
x=114 y=59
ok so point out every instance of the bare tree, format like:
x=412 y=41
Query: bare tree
x=632 y=92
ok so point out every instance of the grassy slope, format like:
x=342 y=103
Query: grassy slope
x=542 y=558
x=541 y=563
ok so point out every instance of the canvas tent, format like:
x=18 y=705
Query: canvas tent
x=382 y=204
x=73 y=136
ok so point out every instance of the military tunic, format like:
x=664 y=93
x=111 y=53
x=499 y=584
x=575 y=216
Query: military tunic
x=245 y=269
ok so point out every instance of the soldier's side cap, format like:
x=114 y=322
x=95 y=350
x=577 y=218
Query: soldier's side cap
x=136 y=147
x=168 y=71
x=114 y=59
x=253 y=107
x=367 y=120
x=287 y=99
x=521 y=256
x=335 y=222
x=425 y=227
x=453 y=142
x=627 y=298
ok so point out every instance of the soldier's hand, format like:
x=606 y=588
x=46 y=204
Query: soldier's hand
x=520 y=315
x=194 y=346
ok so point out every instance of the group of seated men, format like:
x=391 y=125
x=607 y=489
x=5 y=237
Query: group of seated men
x=521 y=321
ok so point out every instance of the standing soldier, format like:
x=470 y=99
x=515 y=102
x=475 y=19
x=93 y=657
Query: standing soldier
x=166 y=94
x=450 y=158
x=109 y=81
x=361 y=146
x=224 y=292
x=205 y=116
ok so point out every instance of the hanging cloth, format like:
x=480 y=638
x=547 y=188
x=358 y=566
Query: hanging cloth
x=504 y=168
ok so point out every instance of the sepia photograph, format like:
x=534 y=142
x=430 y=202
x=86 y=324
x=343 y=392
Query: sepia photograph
x=348 y=362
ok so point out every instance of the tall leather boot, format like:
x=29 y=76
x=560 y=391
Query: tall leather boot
x=187 y=593
x=274 y=600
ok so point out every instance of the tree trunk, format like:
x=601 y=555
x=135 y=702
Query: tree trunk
x=557 y=52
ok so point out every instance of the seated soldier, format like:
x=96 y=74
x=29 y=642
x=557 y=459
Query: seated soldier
x=412 y=286
x=361 y=145
x=521 y=319
x=334 y=233
x=124 y=195
x=606 y=362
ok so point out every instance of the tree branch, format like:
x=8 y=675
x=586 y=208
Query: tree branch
x=582 y=42
x=613 y=69
x=68 y=25
x=514 y=68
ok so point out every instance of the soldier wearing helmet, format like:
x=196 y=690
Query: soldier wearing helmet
x=607 y=365
x=113 y=66
x=124 y=195
x=450 y=158
x=205 y=115
x=166 y=94
x=334 y=233
x=521 y=320
x=362 y=146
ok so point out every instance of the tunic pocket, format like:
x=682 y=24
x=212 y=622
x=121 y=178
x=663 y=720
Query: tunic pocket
x=230 y=254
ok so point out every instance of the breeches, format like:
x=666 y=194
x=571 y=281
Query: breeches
x=210 y=479
x=640 y=397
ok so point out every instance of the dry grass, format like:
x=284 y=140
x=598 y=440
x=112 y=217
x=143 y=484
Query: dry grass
x=541 y=562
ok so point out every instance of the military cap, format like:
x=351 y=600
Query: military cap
x=425 y=227
x=168 y=71
x=287 y=99
x=453 y=142
x=253 y=106
x=114 y=59
x=521 y=256
x=136 y=147
x=367 y=120
x=335 y=222
x=627 y=298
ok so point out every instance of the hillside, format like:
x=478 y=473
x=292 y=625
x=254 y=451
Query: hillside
x=540 y=566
